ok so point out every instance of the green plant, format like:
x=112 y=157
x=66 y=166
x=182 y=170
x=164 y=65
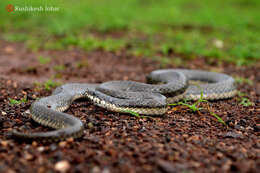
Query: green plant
x=243 y=100
x=246 y=102
x=59 y=67
x=50 y=84
x=47 y=85
x=241 y=94
x=194 y=107
x=112 y=44
x=33 y=43
x=82 y=63
x=165 y=49
x=242 y=80
x=137 y=115
x=17 y=102
x=164 y=61
x=218 y=118
x=44 y=60
x=16 y=37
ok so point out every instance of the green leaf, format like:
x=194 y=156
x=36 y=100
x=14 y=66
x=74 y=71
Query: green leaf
x=218 y=118
x=17 y=102
x=246 y=102
x=132 y=113
x=44 y=60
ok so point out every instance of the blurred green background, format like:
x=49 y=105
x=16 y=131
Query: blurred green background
x=228 y=30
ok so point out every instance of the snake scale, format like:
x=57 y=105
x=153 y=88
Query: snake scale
x=162 y=88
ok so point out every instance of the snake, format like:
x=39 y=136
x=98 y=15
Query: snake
x=163 y=87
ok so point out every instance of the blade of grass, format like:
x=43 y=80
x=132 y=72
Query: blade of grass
x=137 y=115
x=218 y=118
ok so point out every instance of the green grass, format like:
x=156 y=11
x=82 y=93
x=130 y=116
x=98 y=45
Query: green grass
x=195 y=108
x=47 y=85
x=242 y=80
x=50 y=84
x=218 y=118
x=135 y=114
x=44 y=60
x=246 y=102
x=243 y=100
x=59 y=67
x=82 y=63
x=191 y=28
x=17 y=102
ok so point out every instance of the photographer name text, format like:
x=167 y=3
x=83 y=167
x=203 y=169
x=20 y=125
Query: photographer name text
x=36 y=9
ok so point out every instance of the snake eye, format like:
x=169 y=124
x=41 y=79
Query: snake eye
x=49 y=106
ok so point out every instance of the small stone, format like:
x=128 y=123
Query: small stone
x=194 y=138
x=27 y=111
x=41 y=170
x=185 y=136
x=40 y=149
x=15 y=85
x=62 y=144
x=4 y=143
x=4 y=113
x=62 y=166
x=243 y=122
x=90 y=125
x=27 y=147
x=96 y=169
x=10 y=171
x=218 y=43
x=34 y=144
x=166 y=166
x=9 y=49
x=232 y=135
x=53 y=147
x=70 y=140
x=238 y=127
x=28 y=156
x=106 y=170
x=256 y=127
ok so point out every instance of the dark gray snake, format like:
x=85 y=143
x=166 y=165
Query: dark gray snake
x=165 y=87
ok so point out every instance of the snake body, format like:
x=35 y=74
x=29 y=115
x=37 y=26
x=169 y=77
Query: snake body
x=163 y=87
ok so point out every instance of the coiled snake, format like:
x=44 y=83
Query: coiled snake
x=165 y=86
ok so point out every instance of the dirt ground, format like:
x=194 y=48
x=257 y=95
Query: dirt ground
x=179 y=141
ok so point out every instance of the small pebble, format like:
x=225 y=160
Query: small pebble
x=27 y=147
x=28 y=156
x=218 y=43
x=70 y=140
x=232 y=135
x=4 y=143
x=62 y=166
x=96 y=169
x=106 y=170
x=9 y=49
x=90 y=125
x=10 y=171
x=4 y=113
x=53 y=147
x=34 y=143
x=166 y=166
x=40 y=149
x=27 y=111
x=41 y=170
x=62 y=144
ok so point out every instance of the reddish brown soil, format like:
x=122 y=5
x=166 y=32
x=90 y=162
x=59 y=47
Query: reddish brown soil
x=179 y=141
